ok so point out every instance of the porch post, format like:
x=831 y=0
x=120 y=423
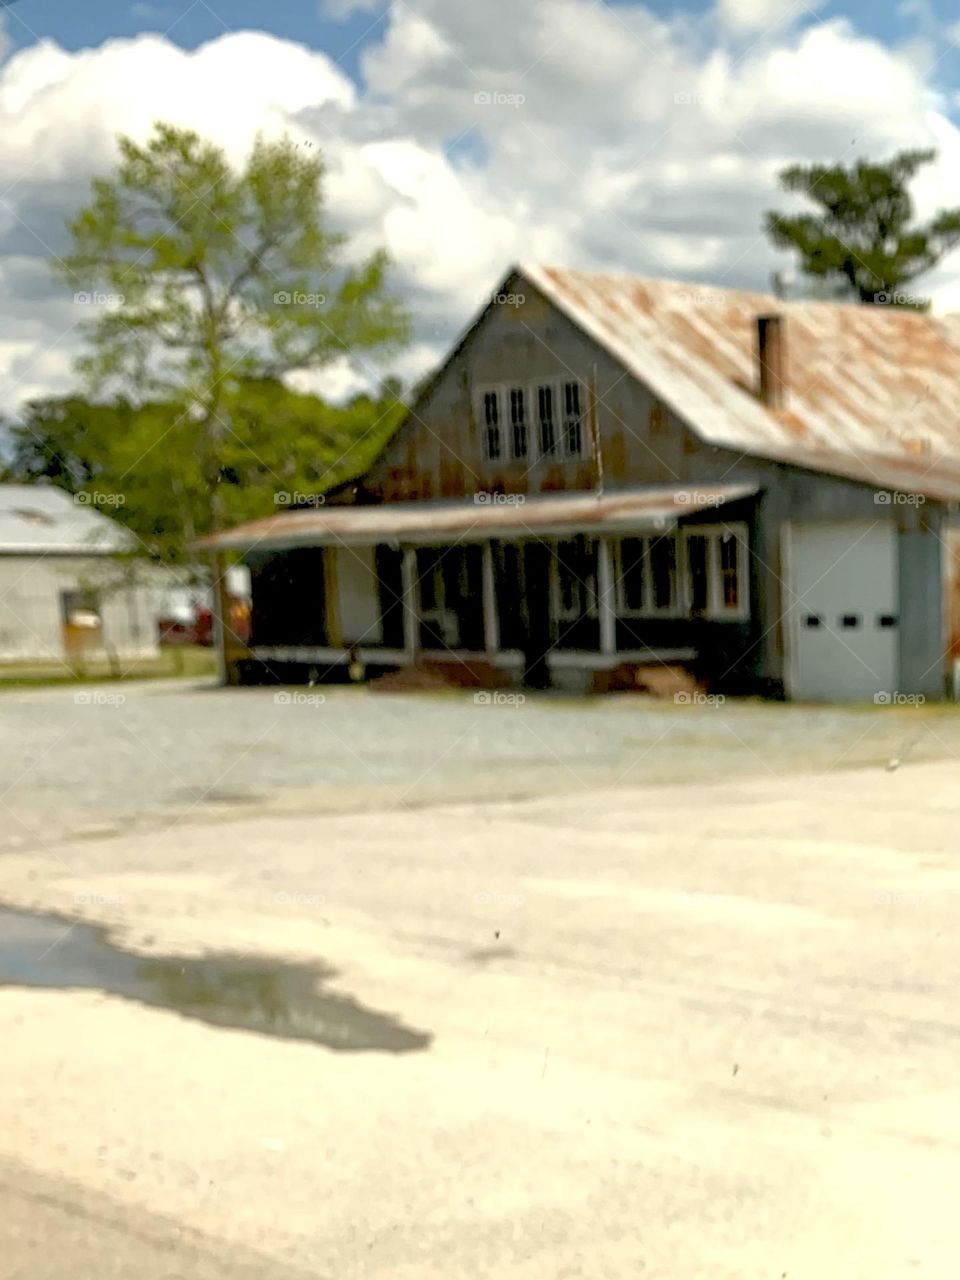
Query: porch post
x=227 y=645
x=331 y=594
x=606 y=604
x=491 y=628
x=411 y=610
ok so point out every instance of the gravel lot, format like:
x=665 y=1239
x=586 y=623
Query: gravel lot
x=96 y=758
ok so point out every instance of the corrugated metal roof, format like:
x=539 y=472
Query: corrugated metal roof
x=869 y=389
x=42 y=519
x=514 y=516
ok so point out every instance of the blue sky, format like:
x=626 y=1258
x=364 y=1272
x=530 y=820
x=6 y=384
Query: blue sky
x=634 y=135
x=76 y=25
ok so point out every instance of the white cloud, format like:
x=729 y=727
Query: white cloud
x=749 y=17
x=150 y=13
x=593 y=136
x=341 y=10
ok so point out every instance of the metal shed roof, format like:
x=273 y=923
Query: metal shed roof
x=425 y=522
x=869 y=388
x=40 y=519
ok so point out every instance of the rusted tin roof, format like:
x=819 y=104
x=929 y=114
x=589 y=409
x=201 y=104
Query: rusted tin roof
x=487 y=516
x=873 y=392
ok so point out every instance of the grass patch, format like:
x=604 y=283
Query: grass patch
x=172 y=662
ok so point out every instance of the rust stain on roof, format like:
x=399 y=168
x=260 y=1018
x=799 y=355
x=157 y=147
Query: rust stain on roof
x=425 y=521
x=875 y=385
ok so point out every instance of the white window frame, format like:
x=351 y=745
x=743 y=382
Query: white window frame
x=716 y=610
x=554 y=387
x=507 y=395
x=531 y=401
x=677 y=608
x=583 y=451
x=494 y=389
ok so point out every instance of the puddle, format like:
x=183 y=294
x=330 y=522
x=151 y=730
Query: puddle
x=249 y=993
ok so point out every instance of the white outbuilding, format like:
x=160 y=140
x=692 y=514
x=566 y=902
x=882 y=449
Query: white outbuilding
x=67 y=591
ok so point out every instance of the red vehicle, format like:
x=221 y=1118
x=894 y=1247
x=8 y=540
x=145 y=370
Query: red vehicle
x=197 y=627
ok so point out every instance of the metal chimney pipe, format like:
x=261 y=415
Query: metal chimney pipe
x=772 y=360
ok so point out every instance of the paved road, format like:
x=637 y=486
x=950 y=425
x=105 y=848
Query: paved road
x=53 y=1229
x=685 y=1032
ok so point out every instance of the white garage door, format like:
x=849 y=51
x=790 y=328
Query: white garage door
x=842 y=605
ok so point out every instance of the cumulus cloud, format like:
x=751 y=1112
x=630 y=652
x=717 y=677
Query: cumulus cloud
x=341 y=10
x=753 y=16
x=595 y=136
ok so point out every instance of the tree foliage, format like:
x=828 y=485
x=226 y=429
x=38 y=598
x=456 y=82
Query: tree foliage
x=863 y=237
x=283 y=447
x=214 y=286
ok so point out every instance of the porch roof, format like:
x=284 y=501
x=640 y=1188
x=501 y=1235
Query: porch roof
x=483 y=517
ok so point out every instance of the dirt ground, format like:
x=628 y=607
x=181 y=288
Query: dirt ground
x=701 y=1027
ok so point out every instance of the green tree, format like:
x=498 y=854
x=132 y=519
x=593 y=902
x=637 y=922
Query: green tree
x=283 y=446
x=217 y=281
x=65 y=440
x=863 y=237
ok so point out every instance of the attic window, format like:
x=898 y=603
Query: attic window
x=491 y=424
x=548 y=431
x=518 y=422
x=572 y=420
x=533 y=421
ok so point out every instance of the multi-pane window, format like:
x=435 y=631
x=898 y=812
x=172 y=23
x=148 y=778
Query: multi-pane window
x=730 y=588
x=572 y=420
x=518 y=421
x=548 y=427
x=699 y=571
x=491 y=424
x=539 y=420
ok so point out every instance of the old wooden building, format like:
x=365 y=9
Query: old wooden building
x=608 y=473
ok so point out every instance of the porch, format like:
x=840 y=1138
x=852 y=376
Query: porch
x=551 y=592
